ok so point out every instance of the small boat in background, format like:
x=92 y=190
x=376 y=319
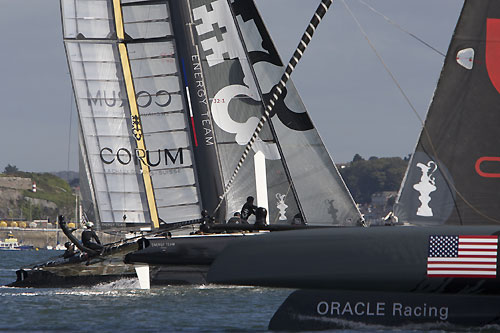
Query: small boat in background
x=11 y=243
x=58 y=247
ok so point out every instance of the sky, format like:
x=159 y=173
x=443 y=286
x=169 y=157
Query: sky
x=352 y=100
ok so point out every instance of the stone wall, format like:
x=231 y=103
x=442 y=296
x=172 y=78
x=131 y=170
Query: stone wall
x=41 y=238
x=16 y=183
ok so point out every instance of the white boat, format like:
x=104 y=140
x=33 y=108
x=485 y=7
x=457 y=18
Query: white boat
x=11 y=243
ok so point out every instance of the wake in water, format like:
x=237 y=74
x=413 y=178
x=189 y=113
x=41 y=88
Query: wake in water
x=217 y=286
x=122 y=284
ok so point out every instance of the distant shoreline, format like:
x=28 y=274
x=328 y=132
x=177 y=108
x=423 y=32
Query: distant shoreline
x=41 y=238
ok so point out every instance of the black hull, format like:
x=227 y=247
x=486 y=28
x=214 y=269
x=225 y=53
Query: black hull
x=79 y=270
x=182 y=260
x=335 y=309
x=384 y=259
x=45 y=279
x=179 y=275
x=198 y=250
x=172 y=261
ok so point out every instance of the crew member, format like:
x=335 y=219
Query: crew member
x=70 y=250
x=248 y=209
x=88 y=235
x=236 y=219
x=298 y=220
x=206 y=221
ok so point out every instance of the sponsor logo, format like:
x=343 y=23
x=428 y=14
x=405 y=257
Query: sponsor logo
x=465 y=58
x=484 y=159
x=426 y=185
x=493 y=51
x=206 y=122
x=281 y=205
x=161 y=98
x=146 y=157
x=215 y=18
x=136 y=128
x=162 y=244
x=381 y=309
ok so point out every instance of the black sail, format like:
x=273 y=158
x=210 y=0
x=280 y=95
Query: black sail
x=289 y=171
x=321 y=192
x=454 y=175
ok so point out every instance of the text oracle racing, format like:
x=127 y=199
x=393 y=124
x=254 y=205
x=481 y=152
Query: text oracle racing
x=380 y=309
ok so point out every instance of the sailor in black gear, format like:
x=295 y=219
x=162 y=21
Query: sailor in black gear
x=70 y=250
x=248 y=209
x=88 y=235
x=236 y=219
x=206 y=221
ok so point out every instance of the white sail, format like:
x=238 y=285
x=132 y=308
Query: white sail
x=132 y=111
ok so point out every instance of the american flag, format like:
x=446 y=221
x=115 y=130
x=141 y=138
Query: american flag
x=462 y=256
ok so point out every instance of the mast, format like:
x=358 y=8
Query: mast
x=206 y=154
x=236 y=106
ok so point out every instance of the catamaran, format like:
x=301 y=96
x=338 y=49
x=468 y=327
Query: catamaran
x=439 y=266
x=169 y=94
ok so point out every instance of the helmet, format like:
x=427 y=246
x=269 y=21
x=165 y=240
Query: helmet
x=250 y=198
x=89 y=225
x=67 y=244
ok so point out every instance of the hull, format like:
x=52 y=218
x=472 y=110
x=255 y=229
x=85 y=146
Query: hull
x=354 y=277
x=307 y=310
x=16 y=248
x=172 y=261
x=79 y=270
x=382 y=259
x=183 y=260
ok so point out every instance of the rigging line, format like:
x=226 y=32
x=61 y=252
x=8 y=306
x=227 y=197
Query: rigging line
x=424 y=128
x=402 y=29
x=383 y=63
x=278 y=89
x=422 y=123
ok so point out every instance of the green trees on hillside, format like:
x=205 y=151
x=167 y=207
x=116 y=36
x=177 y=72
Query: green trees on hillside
x=10 y=169
x=365 y=177
x=50 y=188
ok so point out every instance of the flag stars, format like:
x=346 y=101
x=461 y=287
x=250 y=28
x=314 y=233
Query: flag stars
x=443 y=246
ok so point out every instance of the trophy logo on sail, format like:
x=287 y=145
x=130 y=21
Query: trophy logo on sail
x=425 y=187
x=282 y=206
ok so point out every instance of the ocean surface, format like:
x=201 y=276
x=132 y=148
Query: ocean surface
x=121 y=306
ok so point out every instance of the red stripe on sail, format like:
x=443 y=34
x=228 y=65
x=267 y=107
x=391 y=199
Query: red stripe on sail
x=493 y=51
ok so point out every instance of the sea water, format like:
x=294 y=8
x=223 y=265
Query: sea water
x=122 y=306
